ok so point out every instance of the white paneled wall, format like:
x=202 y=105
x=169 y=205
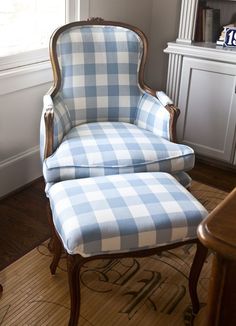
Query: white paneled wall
x=21 y=94
x=21 y=91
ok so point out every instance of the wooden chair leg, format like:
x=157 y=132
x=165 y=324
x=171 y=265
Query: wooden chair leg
x=51 y=243
x=199 y=259
x=74 y=263
x=54 y=245
x=57 y=251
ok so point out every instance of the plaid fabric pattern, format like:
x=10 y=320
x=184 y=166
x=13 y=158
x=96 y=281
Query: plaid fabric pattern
x=61 y=122
x=96 y=107
x=153 y=116
x=105 y=148
x=183 y=178
x=99 y=68
x=123 y=213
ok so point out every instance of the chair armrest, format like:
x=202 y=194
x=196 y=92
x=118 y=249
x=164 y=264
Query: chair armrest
x=55 y=123
x=173 y=110
x=158 y=115
x=163 y=98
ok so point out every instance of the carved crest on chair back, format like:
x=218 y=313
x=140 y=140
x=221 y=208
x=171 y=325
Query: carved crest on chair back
x=96 y=20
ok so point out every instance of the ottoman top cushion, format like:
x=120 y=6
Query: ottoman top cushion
x=122 y=213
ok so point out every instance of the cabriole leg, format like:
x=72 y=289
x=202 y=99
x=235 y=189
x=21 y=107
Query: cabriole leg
x=57 y=251
x=199 y=259
x=74 y=263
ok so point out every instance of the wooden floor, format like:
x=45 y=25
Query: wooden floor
x=213 y=176
x=24 y=221
x=131 y=292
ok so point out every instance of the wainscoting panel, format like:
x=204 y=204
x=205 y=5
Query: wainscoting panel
x=21 y=102
x=19 y=170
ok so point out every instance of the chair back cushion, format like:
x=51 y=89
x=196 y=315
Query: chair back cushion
x=99 y=67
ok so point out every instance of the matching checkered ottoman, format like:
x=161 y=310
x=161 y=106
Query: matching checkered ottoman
x=120 y=215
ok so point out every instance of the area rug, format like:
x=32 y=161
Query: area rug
x=145 y=291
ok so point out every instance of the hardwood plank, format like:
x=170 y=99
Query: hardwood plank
x=211 y=175
x=23 y=221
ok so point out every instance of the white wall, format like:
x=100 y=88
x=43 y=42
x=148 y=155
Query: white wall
x=164 y=28
x=134 y=12
x=21 y=91
x=158 y=19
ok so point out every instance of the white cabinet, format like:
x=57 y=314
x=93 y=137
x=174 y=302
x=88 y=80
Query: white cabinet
x=201 y=80
x=208 y=108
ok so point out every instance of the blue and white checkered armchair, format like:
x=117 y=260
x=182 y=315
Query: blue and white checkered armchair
x=100 y=118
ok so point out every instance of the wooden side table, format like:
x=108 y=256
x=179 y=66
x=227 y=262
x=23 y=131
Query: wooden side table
x=218 y=233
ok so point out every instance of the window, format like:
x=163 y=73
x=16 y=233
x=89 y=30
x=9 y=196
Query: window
x=26 y=26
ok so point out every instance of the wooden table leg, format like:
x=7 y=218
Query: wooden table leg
x=218 y=232
x=222 y=293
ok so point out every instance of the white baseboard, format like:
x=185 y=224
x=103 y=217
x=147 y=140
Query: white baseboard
x=19 y=170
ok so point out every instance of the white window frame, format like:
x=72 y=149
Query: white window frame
x=74 y=10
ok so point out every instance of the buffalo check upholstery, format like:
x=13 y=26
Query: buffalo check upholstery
x=153 y=116
x=123 y=213
x=105 y=148
x=104 y=123
x=99 y=66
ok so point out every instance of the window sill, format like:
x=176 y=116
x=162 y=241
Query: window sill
x=27 y=76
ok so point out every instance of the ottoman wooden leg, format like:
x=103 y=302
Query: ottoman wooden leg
x=74 y=263
x=195 y=271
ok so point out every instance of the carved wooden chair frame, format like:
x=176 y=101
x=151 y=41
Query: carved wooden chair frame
x=173 y=110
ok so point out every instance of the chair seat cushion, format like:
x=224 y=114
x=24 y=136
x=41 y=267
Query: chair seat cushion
x=123 y=213
x=105 y=148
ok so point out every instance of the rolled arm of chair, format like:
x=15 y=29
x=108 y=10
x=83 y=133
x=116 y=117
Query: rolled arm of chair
x=55 y=123
x=158 y=114
x=163 y=98
x=172 y=109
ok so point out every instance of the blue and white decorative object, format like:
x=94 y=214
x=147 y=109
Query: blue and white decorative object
x=230 y=36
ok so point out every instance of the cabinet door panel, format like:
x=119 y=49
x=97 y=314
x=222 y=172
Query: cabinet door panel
x=208 y=107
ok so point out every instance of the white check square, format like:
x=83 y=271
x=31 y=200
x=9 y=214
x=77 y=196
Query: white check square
x=147 y=238
x=111 y=244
